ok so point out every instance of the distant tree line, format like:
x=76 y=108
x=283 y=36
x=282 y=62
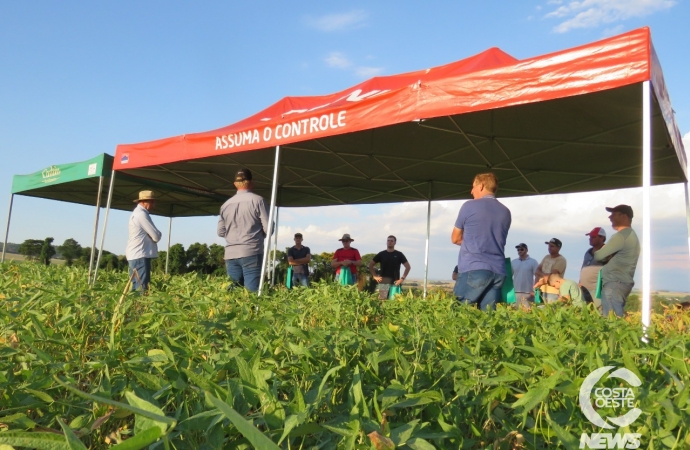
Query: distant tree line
x=43 y=251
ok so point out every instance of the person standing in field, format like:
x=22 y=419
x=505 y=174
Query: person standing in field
x=589 y=273
x=142 y=241
x=347 y=257
x=299 y=257
x=554 y=262
x=481 y=230
x=243 y=222
x=624 y=250
x=390 y=260
x=524 y=268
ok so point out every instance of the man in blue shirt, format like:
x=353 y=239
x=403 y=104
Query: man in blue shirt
x=481 y=230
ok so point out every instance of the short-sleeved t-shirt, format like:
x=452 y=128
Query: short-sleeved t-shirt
x=299 y=254
x=549 y=264
x=523 y=274
x=572 y=290
x=390 y=263
x=343 y=254
x=485 y=223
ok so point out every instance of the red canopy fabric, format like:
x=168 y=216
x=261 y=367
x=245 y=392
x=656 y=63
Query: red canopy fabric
x=489 y=80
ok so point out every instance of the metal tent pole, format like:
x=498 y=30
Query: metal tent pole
x=426 y=248
x=267 y=241
x=95 y=226
x=275 y=246
x=687 y=209
x=105 y=225
x=646 y=205
x=7 y=228
x=167 y=255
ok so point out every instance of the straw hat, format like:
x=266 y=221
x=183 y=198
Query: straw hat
x=145 y=195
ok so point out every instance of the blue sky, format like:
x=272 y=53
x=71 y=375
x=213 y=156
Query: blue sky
x=78 y=78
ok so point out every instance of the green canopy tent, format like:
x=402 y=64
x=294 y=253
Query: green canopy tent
x=82 y=183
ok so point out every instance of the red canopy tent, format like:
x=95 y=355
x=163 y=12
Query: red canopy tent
x=424 y=135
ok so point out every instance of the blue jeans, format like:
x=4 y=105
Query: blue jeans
x=143 y=268
x=300 y=279
x=479 y=287
x=244 y=272
x=613 y=297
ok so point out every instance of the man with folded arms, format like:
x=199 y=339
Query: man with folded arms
x=624 y=251
x=554 y=262
x=299 y=257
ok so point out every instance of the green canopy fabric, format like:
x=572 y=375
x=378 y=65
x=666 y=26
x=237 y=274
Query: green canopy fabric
x=78 y=183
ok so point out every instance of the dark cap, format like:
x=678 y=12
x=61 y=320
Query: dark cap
x=521 y=245
x=243 y=175
x=623 y=209
x=298 y=235
x=556 y=242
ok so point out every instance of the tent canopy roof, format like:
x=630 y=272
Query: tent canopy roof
x=78 y=183
x=565 y=122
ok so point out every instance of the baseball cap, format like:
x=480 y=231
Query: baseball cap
x=623 y=209
x=243 y=175
x=346 y=237
x=521 y=245
x=556 y=242
x=597 y=231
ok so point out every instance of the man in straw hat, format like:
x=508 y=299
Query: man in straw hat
x=347 y=257
x=243 y=222
x=141 y=244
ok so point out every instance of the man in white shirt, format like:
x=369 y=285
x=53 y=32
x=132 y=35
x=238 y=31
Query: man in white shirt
x=524 y=269
x=141 y=244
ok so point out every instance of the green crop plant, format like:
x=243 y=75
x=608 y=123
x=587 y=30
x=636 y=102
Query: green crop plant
x=192 y=366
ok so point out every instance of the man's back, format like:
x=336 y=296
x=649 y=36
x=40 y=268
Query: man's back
x=485 y=223
x=243 y=222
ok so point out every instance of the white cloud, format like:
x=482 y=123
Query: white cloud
x=368 y=72
x=339 y=22
x=338 y=60
x=593 y=13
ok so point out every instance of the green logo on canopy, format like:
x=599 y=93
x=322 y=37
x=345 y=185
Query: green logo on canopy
x=50 y=174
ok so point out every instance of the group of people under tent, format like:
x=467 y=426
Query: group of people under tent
x=481 y=230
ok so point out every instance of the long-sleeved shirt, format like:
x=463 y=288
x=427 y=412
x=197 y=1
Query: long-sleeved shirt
x=625 y=248
x=243 y=222
x=143 y=235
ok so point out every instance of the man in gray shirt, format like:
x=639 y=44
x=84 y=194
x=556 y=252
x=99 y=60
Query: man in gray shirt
x=243 y=222
x=624 y=249
x=141 y=243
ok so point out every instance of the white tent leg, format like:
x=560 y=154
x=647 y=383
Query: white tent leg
x=646 y=205
x=7 y=228
x=267 y=242
x=426 y=248
x=105 y=225
x=275 y=246
x=95 y=226
x=167 y=255
x=687 y=209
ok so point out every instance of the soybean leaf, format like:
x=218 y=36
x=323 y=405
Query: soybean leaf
x=39 y=441
x=142 y=423
x=140 y=440
x=72 y=439
x=254 y=436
